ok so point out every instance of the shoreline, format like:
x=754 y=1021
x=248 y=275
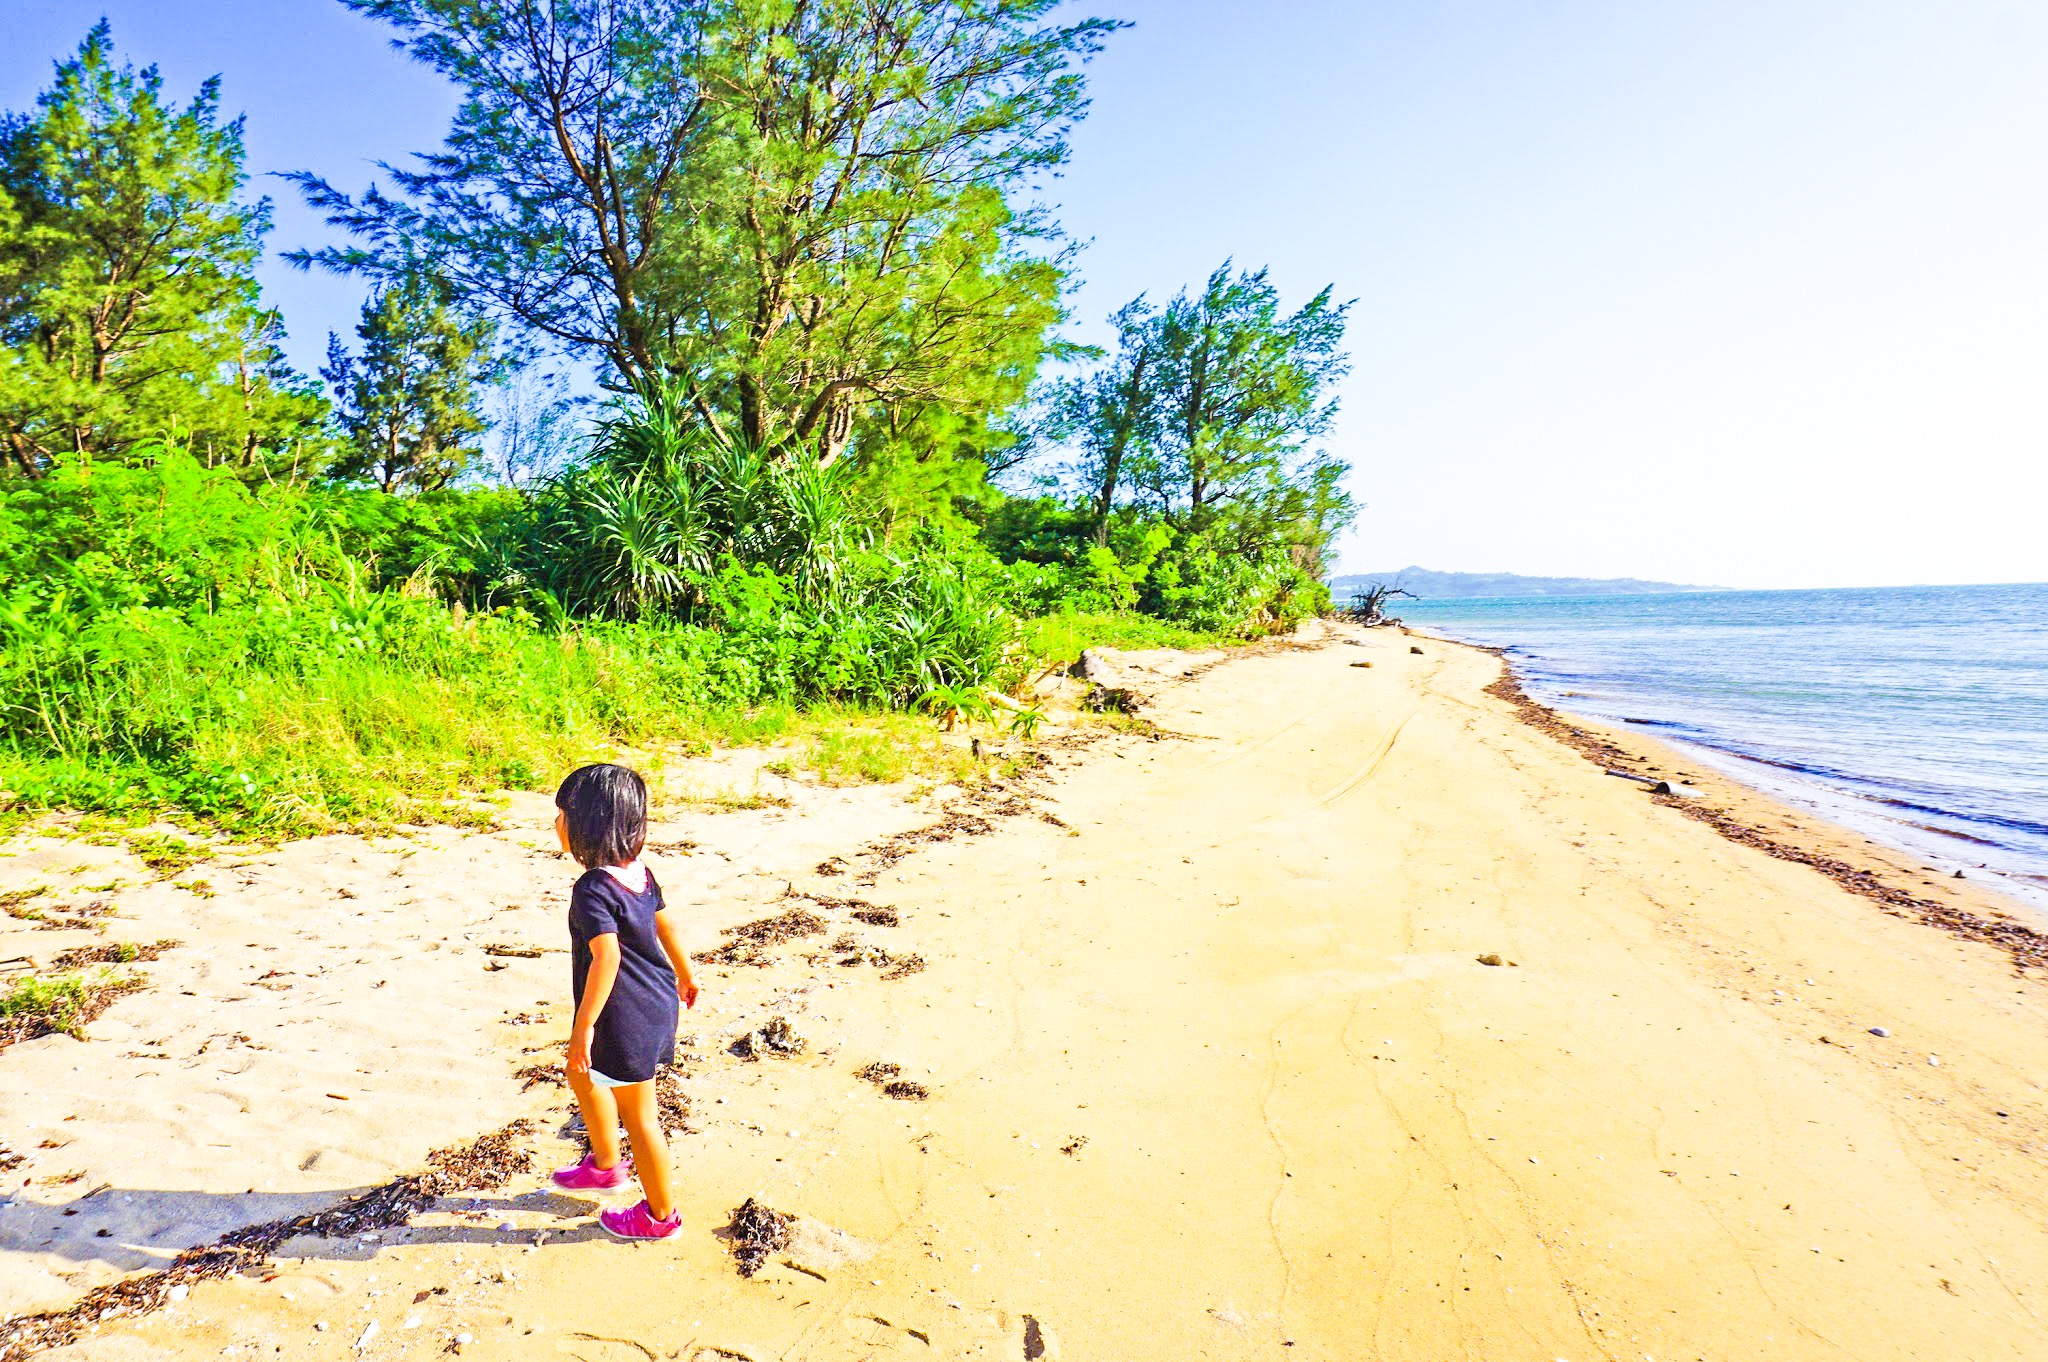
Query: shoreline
x=1344 y=1013
x=1880 y=739
x=1855 y=863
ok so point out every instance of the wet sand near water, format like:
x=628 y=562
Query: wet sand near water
x=1213 y=1068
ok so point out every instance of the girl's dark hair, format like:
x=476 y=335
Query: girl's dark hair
x=607 y=814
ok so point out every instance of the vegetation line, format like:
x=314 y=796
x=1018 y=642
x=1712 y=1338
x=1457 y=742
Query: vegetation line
x=844 y=466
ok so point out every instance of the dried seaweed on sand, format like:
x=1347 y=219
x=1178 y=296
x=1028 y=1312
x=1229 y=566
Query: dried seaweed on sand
x=2026 y=946
x=756 y=1232
x=672 y=1101
x=111 y=953
x=748 y=944
x=884 y=1076
x=481 y=1165
x=533 y=1075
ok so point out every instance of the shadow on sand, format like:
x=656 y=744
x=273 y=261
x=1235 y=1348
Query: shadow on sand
x=140 y=1229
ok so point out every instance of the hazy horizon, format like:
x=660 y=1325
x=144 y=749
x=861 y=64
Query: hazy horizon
x=1742 y=293
x=1392 y=573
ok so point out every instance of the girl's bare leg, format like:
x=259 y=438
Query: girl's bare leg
x=600 y=1119
x=642 y=1116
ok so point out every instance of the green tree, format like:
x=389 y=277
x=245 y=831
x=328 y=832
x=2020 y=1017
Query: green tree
x=129 y=307
x=1205 y=415
x=800 y=211
x=409 y=404
x=1114 y=411
x=1242 y=390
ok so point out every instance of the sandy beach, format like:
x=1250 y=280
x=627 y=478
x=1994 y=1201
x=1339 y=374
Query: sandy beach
x=1345 y=1015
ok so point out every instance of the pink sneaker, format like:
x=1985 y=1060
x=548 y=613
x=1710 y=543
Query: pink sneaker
x=637 y=1222
x=588 y=1177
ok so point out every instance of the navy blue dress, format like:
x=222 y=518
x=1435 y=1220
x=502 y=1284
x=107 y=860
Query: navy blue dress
x=636 y=1033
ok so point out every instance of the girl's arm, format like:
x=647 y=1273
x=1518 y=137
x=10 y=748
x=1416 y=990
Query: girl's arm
x=597 y=991
x=665 y=927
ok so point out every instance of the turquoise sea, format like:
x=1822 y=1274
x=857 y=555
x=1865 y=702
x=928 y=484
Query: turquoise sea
x=1916 y=715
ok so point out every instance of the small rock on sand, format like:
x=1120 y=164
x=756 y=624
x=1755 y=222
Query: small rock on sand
x=1879 y=1031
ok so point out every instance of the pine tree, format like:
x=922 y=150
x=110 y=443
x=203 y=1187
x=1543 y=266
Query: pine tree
x=129 y=309
x=408 y=405
x=814 y=220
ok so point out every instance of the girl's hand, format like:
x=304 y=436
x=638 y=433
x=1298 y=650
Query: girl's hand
x=579 y=1053
x=686 y=990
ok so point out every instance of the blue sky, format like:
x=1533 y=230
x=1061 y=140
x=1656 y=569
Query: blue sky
x=1744 y=293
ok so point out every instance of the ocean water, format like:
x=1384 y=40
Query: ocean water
x=1915 y=715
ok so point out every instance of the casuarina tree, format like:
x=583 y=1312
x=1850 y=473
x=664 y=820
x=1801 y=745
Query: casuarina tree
x=1206 y=415
x=807 y=216
x=129 y=310
x=409 y=403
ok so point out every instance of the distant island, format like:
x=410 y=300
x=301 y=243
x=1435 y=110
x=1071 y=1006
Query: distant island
x=1428 y=585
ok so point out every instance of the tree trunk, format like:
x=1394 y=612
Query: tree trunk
x=836 y=429
x=248 y=408
x=1113 y=462
x=18 y=445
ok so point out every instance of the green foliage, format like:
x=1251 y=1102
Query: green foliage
x=286 y=659
x=1195 y=494
x=1114 y=412
x=954 y=705
x=799 y=237
x=809 y=214
x=408 y=404
x=128 y=302
x=1238 y=391
x=1211 y=584
x=634 y=531
x=1058 y=640
x=1204 y=416
x=38 y=1006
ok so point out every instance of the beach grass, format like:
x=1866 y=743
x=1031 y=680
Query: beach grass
x=1059 y=640
x=49 y=1004
x=376 y=740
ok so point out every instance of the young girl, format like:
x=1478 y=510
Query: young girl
x=630 y=974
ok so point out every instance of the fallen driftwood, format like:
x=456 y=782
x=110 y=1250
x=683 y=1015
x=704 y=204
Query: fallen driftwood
x=1658 y=786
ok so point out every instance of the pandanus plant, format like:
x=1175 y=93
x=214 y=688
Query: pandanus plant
x=660 y=503
x=954 y=705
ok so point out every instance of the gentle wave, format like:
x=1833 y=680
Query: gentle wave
x=1865 y=705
